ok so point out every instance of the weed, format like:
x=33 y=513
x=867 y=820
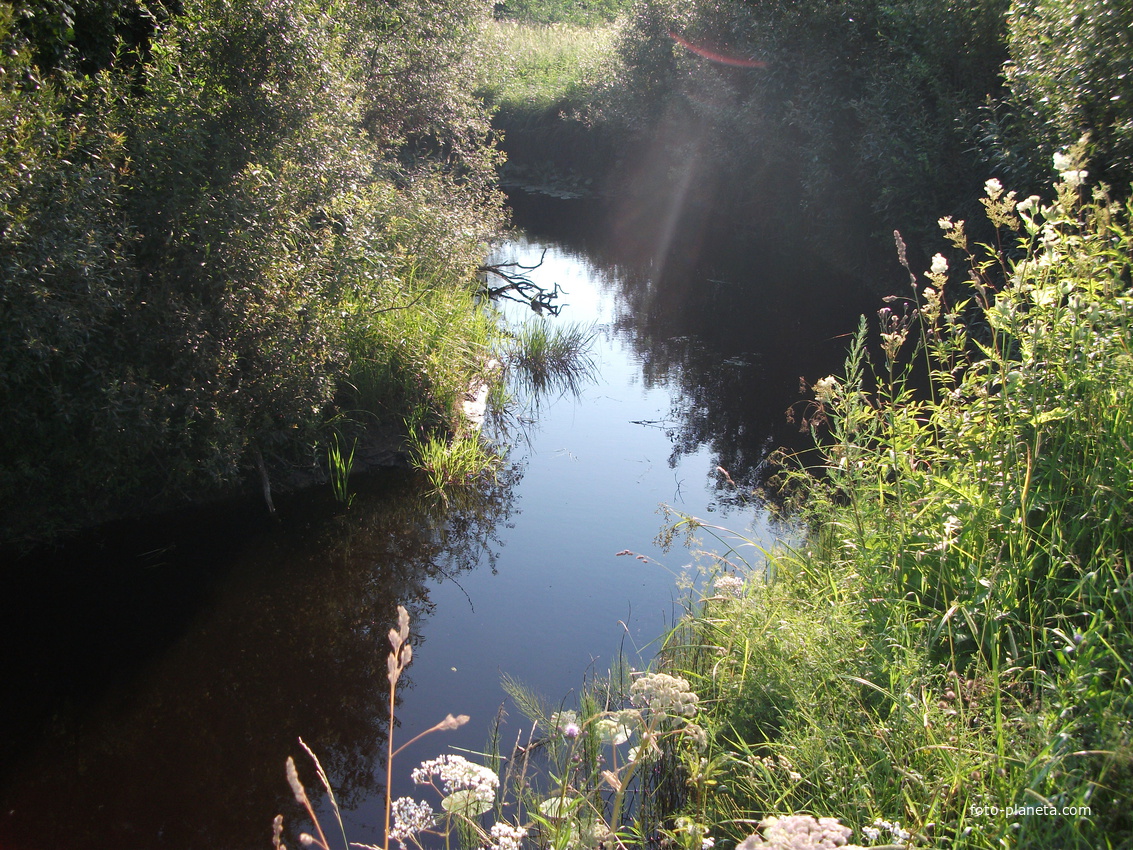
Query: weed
x=949 y=648
x=585 y=802
x=546 y=358
x=339 y=466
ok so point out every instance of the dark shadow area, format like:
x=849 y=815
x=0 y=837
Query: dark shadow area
x=157 y=676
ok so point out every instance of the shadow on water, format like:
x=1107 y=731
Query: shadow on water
x=154 y=688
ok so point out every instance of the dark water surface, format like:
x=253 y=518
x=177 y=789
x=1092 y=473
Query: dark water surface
x=155 y=677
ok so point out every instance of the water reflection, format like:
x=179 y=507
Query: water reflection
x=182 y=744
x=729 y=333
x=157 y=677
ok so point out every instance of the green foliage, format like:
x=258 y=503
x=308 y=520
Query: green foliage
x=195 y=259
x=854 y=110
x=1070 y=74
x=584 y=13
x=955 y=634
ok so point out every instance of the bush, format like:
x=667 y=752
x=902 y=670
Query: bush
x=184 y=252
x=1070 y=75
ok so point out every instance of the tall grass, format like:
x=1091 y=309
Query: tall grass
x=947 y=660
x=572 y=786
x=538 y=67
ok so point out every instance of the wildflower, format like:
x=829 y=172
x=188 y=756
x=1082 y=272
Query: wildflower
x=567 y=723
x=729 y=586
x=458 y=774
x=945 y=223
x=894 y=829
x=826 y=390
x=1028 y=204
x=939 y=264
x=1062 y=162
x=799 y=832
x=664 y=694
x=507 y=837
x=993 y=188
x=1074 y=179
x=409 y=818
x=952 y=527
x=707 y=843
x=872 y=833
x=698 y=734
x=611 y=731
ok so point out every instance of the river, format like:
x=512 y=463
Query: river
x=157 y=675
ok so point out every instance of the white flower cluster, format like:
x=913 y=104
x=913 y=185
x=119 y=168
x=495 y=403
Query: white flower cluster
x=611 y=731
x=799 y=832
x=729 y=586
x=458 y=774
x=409 y=818
x=826 y=390
x=507 y=837
x=939 y=264
x=1064 y=165
x=664 y=694
x=894 y=829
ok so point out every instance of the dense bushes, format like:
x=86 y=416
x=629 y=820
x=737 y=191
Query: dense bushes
x=1071 y=73
x=947 y=650
x=184 y=248
x=821 y=112
x=838 y=121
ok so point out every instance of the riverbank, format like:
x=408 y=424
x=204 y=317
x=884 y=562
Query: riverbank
x=944 y=661
x=232 y=254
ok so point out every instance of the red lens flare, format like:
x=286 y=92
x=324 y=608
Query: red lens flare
x=717 y=56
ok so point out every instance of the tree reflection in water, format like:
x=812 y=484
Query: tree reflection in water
x=729 y=329
x=174 y=680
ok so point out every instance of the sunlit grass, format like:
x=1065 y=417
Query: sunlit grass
x=551 y=357
x=455 y=462
x=537 y=67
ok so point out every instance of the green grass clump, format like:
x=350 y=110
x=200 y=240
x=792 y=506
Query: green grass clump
x=947 y=659
x=452 y=463
x=545 y=358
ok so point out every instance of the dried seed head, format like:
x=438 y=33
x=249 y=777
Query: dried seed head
x=450 y=722
x=277 y=833
x=403 y=622
x=296 y=785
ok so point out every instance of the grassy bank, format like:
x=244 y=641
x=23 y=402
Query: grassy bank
x=543 y=82
x=226 y=240
x=945 y=660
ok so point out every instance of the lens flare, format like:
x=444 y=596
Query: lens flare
x=716 y=55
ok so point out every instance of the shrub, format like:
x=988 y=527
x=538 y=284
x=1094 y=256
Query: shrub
x=1069 y=75
x=948 y=648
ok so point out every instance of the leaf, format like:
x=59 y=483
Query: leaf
x=559 y=807
x=465 y=802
